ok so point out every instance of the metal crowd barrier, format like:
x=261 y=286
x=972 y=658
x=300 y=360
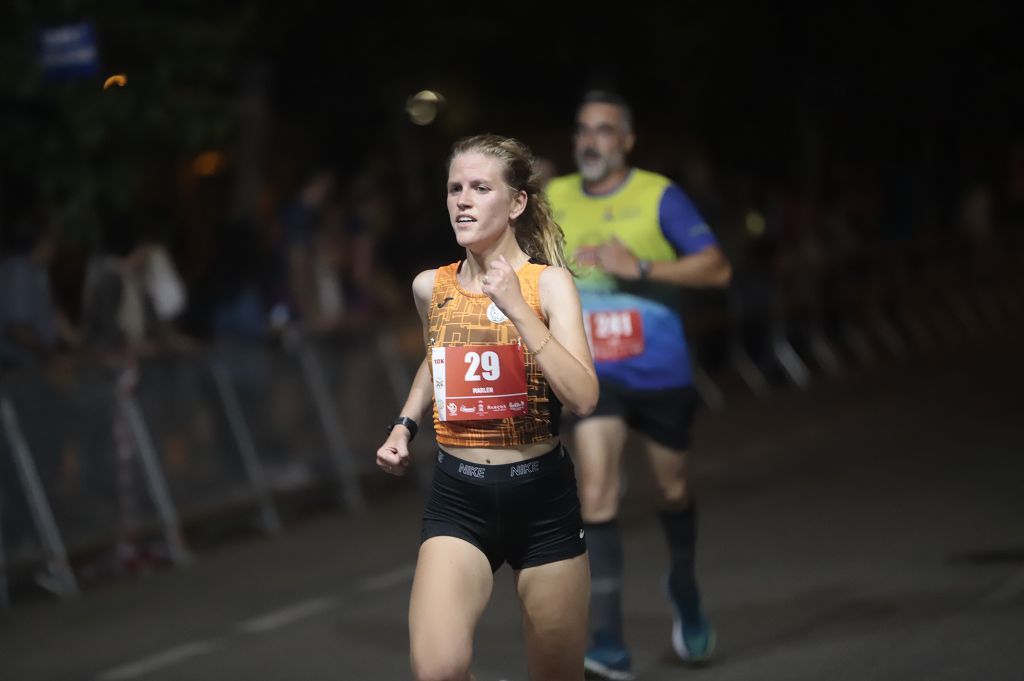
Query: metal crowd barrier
x=787 y=324
x=105 y=452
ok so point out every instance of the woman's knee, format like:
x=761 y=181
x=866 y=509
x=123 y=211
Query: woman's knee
x=441 y=664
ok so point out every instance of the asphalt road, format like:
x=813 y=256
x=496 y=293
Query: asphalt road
x=870 y=528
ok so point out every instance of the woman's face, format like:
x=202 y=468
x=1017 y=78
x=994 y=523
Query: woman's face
x=480 y=204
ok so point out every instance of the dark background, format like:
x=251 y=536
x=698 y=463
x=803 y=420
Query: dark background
x=920 y=100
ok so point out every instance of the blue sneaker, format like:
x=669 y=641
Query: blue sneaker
x=693 y=641
x=608 y=661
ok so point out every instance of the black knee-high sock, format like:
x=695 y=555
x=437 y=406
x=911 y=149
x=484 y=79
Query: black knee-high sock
x=605 y=547
x=680 y=529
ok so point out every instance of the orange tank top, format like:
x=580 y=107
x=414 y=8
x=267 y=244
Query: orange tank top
x=459 y=319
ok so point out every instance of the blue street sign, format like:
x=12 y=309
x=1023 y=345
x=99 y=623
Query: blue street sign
x=68 y=51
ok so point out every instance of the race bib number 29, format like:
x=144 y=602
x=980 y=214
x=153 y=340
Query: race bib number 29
x=477 y=382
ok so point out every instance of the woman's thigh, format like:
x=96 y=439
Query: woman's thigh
x=554 y=598
x=451 y=588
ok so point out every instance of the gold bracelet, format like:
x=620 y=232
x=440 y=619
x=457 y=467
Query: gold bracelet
x=542 y=344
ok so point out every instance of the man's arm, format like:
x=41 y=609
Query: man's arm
x=701 y=263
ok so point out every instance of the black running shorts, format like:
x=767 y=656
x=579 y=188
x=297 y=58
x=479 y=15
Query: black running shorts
x=525 y=514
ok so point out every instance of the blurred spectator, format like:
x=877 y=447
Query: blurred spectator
x=300 y=220
x=31 y=327
x=332 y=240
x=132 y=293
x=750 y=239
x=373 y=289
x=32 y=331
x=330 y=262
x=231 y=301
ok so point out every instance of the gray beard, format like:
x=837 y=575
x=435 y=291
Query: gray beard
x=598 y=169
x=593 y=170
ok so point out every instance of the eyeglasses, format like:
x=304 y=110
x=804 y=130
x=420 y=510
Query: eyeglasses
x=603 y=131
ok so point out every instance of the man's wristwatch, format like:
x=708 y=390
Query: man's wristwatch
x=407 y=422
x=644 y=268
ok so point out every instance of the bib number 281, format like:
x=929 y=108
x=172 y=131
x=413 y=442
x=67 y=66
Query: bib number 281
x=615 y=334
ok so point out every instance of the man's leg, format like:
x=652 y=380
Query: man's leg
x=599 y=441
x=692 y=637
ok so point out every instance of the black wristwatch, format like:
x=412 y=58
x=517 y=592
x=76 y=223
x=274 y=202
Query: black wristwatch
x=407 y=422
x=644 y=268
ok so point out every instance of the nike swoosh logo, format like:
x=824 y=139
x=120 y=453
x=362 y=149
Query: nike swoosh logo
x=444 y=302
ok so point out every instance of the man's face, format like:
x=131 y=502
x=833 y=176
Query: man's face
x=602 y=141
